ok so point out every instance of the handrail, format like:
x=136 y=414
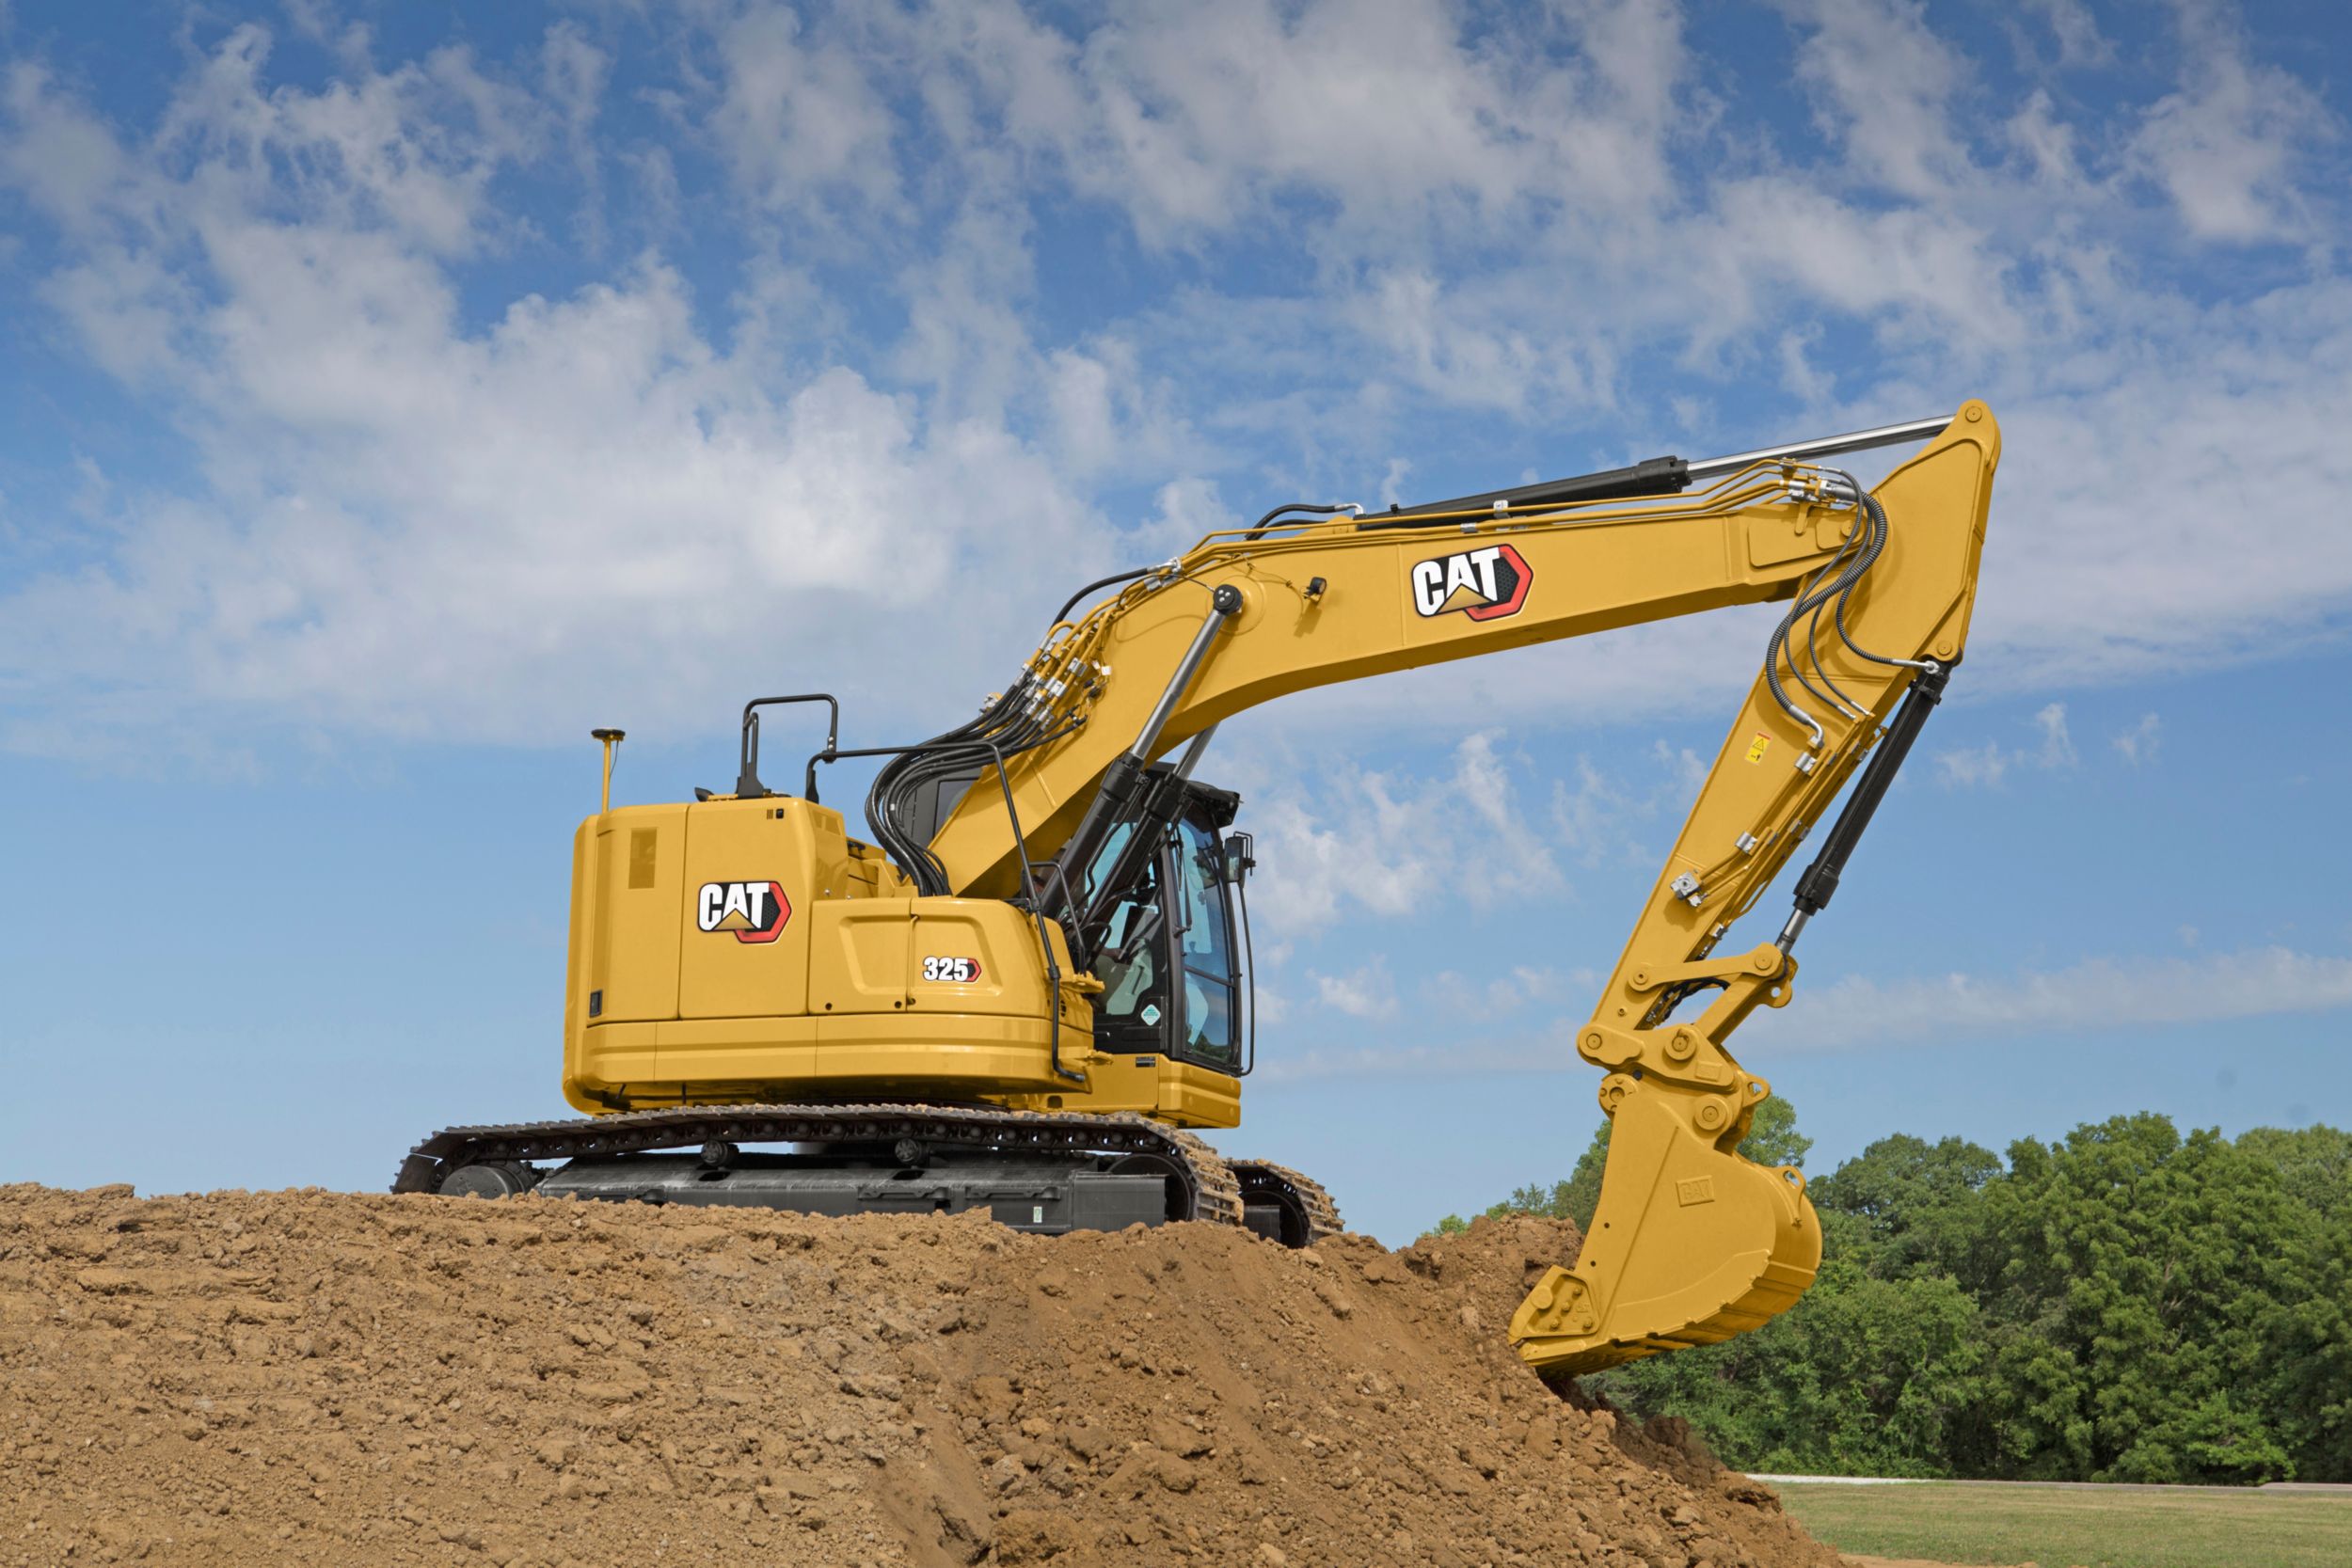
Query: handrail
x=747 y=771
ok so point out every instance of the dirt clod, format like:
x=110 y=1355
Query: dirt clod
x=337 y=1379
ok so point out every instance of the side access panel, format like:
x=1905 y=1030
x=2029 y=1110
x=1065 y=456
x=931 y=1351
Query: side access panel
x=640 y=859
x=743 y=926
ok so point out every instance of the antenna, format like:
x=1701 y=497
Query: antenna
x=612 y=739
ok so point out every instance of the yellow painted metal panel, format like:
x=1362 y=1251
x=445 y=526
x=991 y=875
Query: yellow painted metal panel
x=975 y=955
x=614 y=1054
x=769 y=1051
x=743 y=911
x=970 y=1056
x=859 y=953
x=1191 y=1096
x=634 y=953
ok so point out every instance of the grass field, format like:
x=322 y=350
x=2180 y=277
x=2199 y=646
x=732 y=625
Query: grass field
x=2061 y=1528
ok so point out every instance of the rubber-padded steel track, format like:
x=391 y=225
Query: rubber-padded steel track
x=1210 y=1190
x=1261 y=1176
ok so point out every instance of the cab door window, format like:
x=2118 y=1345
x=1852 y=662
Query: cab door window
x=1133 y=1009
x=1204 y=951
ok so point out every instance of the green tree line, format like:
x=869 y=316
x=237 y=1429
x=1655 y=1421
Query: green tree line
x=2127 y=1305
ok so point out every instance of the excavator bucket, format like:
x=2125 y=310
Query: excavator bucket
x=1692 y=1242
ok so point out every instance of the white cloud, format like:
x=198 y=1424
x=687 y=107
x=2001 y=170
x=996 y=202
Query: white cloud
x=1572 y=219
x=1974 y=767
x=1450 y=994
x=2139 y=743
x=2091 y=998
x=2096 y=994
x=801 y=120
x=2224 y=146
x=2058 y=746
x=1341 y=843
x=1986 y=766
x=2075 y=31
x=1365 y=993
x=1184 y=512
x=1602 y=816
x=1337 y=840
x=61 y=156
x=1550 y=1049
x=1196 y=119
x=419 y=524
x=1883 y=79
x=573 y=72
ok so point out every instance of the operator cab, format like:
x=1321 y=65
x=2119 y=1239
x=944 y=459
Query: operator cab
x=1179 y=988
x=1171 y=967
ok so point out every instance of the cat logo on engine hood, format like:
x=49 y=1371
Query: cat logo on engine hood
x=1484 y=584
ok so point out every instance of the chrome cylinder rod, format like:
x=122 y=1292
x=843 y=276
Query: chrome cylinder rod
x=1826 y=446
x=1223 y=602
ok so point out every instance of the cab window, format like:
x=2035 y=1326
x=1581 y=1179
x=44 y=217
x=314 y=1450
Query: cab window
x=1135 y=989
x=1205 y=951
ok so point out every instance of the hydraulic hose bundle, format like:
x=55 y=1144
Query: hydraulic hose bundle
x=1007 y=726
x=1829 y=590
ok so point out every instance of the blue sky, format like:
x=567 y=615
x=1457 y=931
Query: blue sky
x=393 y=392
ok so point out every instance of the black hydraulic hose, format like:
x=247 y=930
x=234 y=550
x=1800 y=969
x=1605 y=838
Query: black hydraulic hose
x=1099 y=583
x=898 y=780
x=1007 y=728
x=1863 y=544
x=1878 y=514
x=1871 y=534
x=1778 y=646
x=1257 y=532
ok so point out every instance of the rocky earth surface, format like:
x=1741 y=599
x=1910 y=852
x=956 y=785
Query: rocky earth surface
x=319 y=1378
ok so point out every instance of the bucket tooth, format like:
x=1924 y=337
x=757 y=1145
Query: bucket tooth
x=1692 y=1242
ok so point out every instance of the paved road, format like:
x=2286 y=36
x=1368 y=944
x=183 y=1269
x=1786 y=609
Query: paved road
x=2315 y=1486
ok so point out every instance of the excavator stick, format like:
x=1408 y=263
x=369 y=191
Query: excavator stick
x=1691 y=1242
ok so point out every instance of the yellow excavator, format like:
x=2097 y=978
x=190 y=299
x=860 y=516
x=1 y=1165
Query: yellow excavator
x=1023 y=995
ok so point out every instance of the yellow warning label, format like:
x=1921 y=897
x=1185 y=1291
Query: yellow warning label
x=1758 y=746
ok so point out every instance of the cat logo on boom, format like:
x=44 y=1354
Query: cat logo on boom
x=754 y=912
x=1484 y=584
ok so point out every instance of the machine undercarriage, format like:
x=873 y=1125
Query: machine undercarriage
x=1039 y=1172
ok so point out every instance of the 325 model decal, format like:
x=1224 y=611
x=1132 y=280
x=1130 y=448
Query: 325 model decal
x=1484 y=584
x=754 y=912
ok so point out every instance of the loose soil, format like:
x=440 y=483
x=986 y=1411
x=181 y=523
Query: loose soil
x=335 y=1379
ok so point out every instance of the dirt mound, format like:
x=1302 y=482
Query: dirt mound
x=337 y=1379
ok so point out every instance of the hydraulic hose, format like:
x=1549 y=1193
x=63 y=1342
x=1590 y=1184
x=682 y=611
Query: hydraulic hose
x=1063 y=614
